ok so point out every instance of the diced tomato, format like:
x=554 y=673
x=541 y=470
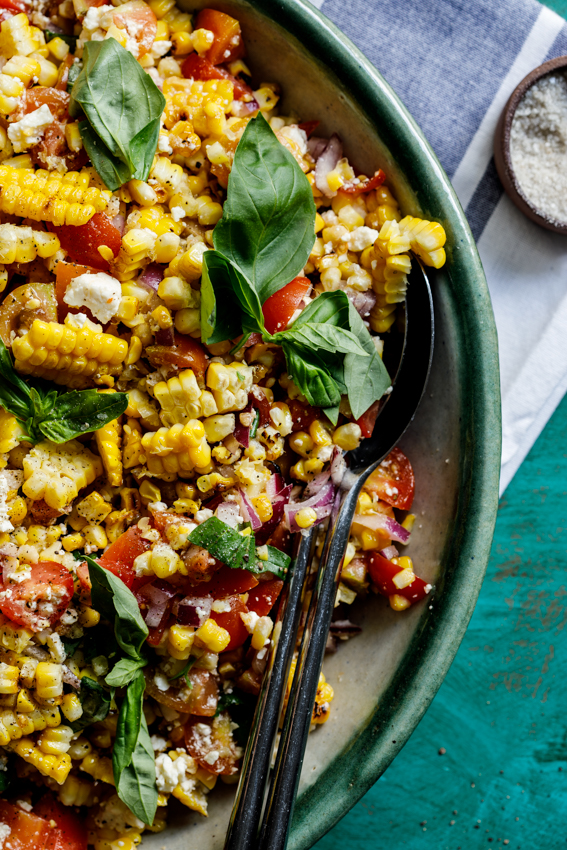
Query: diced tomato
x=140 y=23
x=196 y=67
x=228 y=44
x=262 y=599
x=228 y=581
x=281 y=538
x=309 y=127
x=364 y=185
x=63 y=76
x=260 y=401
x=186 y=353
x=39 y=601
x=382 y=572
x=302 y=415
x=156 y=599
x=71 y=831
x=232 y=621
x=368 y=420
x=27 y=830
x=15 y=314
x=55 y=99
x=84 y=579
x=83 y=241
x=280 y=307
x=393 y=481
x=64 y=274
x=120 y=556
x=204 y=694
x=219 y=740
x=13 y=6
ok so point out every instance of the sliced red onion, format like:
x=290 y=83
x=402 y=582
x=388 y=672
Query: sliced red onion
x=316 y=484
x=70 y=679
x=249 y=511
x=338 y=466
x=389 y=552
x=229 y=513
x=193 y=610
x=159 y=596
x=326 y=163
x=242 y=108
x=276 y=486
x=322 y=504
x=152 y=276
x=384 y=523
x=119 y=222
x=316 y=145
x=363 y=302
x=165 y=336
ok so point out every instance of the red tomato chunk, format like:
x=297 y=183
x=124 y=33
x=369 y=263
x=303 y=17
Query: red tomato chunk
x=27 y=830
x=83 y=241
x=393 y=481
x=280 y=307
x=41 y=600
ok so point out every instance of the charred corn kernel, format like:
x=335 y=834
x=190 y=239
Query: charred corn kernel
x=301 y=443
x=218 y=427
x=48 y=680
x=56 y=473
x=263 y=505
x=165 y=561
x=8 y=678
x=76 y=792
x=94 y=508
x=88 y=617
x=347 y=437
x=23 y=244
x=398 y=602
x=319 y=434
x=100 y=768
x=162 y=317
x=149 y=493
x=213 y=636
x=323 y=699
x=71 y=707
x=24 y=702
x=55 y=742
x=409 y=522
x=142 y=193
x=262 y=632
x=108 y=440
x=176 y=293
x=179 y=641
x=306 y=517
x=57 y=767
x=64 y=354
x=73 y=541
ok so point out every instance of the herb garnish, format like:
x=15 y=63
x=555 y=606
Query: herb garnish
x=261 y=243
x=95 y=702
x=48 y=414
x=237 y=550
x=123 y=108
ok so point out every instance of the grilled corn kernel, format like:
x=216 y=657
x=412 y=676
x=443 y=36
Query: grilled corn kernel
x=149 y=493
x=319 y=434
x=8 y=678
x=262 y=632
x=88 y=617
x=263 y=505
x=347 y=437
x=306 y=517
x=398 y=602
x=179 y=641
x=48 y=680
x=55 y=741
x=213 y=636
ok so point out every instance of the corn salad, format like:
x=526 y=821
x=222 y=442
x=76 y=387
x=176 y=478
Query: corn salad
x=102 y=295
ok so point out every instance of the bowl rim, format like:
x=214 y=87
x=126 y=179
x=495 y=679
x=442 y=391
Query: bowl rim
x=502 y=156
x=369 y=752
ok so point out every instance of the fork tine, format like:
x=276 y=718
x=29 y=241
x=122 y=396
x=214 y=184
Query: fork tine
x=245 y=818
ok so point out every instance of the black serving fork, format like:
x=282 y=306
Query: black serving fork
x=414 y=350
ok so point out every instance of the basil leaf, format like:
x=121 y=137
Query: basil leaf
x=268 y=226
x=74 y=72
x=95 y=702
x=277 y=563
x=128 y=728
x=366 y=377
x=325 y=337
x=332 y=414
x=312 y=378
x=223 y=542
x=123 y=107
x=220 y=310
x=117 y=604
x=70 y=40
x=16 y=397
x=80 y=411
x=124 y=671
x=71 y=645
x=330 y=308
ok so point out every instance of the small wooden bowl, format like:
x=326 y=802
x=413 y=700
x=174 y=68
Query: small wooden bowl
x=502 y=157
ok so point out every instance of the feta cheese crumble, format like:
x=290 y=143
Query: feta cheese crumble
x=99 y=292
x=27 y=132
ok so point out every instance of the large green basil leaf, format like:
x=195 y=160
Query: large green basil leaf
x=221 y=307
x=81 y=411
x=117 y=604
x=236 y=550
x=268 y=226
x=310 y=375
x=123 y=107
x=128 y=728
x=324 y=337
x=366 y=378
x=124 y=671
x=330 y=308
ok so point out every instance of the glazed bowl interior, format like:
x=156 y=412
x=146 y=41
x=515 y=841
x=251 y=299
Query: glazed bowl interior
x=386 y=677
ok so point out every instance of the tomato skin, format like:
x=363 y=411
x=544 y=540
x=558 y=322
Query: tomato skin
x=71 y=831
x=232 y=622
x=28 y=831
x=227 y=582
x=382 y=573
x=262 y=599
x=302 y=415
x=204 y=695
x=280 y=307
x=198 y=68
x=12 y=6
x=368 y=419
x=82 y=241
x=393 y=481
x=367 y=186
x=185 y=353
x=140 y=23
x=228 y=36
x=55 y=99
x=120 y=556
x=50 y=583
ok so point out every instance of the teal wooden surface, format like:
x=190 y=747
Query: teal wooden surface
x=500 y=716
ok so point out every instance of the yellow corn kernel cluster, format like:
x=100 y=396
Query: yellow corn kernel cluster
x=55 y=766
x=202 y=103
x=76 y=792
x=311 y=447
x=18 y=38
x=92 y=510
x=427 y=239
x=230 y=385
x=180 y=641
x=161 y=560
x=65 y=355
x=132 y=449
x=56 y=473
x=181 y=447
x=17 y=74
x=20 y=244
x=181 y=399
x=10 y=431
x=99 y=767
x=108 y=444
x=13 y=637
x=213 y=636
x=49 y=196
x=167 y=11
x=140 y=406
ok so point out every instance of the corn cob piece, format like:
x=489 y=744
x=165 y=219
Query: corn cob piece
x=56 y=473
x=230 y=385
x=19 y=244
x=48 y=196
x=132 y=452
x=100 y=768
x=178 y=447
x=17 y=37
x=64 y=354
x=108 y=444
x=76 y=792
x=426 y=238
x=57 y=767
x=203 y=104
x=178 y=398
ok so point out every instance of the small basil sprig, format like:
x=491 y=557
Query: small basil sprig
x=48 y=414
x=236 y=550
x=123 y=108
x=95 y=702
x=262 y=241
x=133 y=760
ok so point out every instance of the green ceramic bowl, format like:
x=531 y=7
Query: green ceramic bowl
x=385 y=679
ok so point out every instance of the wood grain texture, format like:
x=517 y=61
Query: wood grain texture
x=501 y=712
